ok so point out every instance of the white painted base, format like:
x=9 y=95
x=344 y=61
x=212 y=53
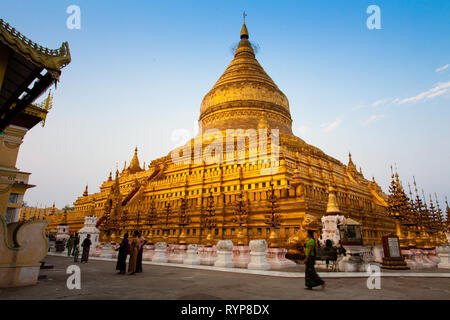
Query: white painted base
x=207 y=255
x=433 y=257
x=410 y=259
x=107 y=251
x=224 y=259
x=160 y=255
x=95 y=251
x=178 y=253
x=258 y=261
x=444 y=254
x=192 y=256
x=148 y=253
x=351 y=262
x=276 y=257
x=241 y=256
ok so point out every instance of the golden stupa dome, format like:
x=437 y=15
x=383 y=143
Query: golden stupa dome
x=243 y=94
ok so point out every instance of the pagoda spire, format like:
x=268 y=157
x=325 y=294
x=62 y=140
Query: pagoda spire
x=439 y=216
x=447 y=217
x=134 y=164
x=418 y=205
x=399 y=203
x=426 y=211
x=85 y=193
x=351 y=166
x=433 y=213
x=110 y=176
x=244 y=31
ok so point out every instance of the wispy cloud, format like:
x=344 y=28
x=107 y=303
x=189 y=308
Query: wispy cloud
x=302 y=131
x=357 y=107
x=372 y=119
x=330 y=127
x=380 y=102
x=438 y=90
x=442 y=68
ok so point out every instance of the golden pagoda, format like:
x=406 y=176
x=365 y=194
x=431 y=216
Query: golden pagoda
x=246 y=107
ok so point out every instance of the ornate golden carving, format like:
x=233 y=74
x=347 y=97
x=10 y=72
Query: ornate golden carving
x=52 y=60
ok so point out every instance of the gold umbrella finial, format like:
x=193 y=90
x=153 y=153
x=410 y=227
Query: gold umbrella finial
x=244 y=31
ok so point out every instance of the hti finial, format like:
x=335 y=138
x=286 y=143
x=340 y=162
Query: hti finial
x=244 y=31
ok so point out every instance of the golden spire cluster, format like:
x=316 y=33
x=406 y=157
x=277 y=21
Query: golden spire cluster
x=424 y=221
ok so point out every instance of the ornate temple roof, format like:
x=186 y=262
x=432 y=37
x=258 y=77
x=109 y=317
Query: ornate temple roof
x=51 y=59
x=245 y=86
x=26 y=71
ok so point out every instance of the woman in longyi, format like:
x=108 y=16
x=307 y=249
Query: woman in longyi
x=312 y=279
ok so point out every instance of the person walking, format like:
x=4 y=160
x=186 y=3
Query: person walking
x=122 y=256
x=76 y=244
x=76 y=248
x=133 y=254
x=70 y=244
x=140 y=244
x=86 y=246
x=312 y=279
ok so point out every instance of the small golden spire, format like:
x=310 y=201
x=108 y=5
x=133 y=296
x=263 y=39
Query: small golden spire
x=134 y=164
x=424 y=199
x=437 y=201
x=85 y=193
x=110 y=176
x=409 y=188
x=332 y=206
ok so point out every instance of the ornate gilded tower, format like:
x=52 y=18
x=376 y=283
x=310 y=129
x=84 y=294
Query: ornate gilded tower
x=244 y=97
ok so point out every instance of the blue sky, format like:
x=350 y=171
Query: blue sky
x=140 y=70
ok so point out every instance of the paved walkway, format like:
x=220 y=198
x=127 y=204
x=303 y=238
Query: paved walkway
x=100 y=281
x=297 y=271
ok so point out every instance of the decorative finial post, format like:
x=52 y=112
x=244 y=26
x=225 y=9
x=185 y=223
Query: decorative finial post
x=244 y=15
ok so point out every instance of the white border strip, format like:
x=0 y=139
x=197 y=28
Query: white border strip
x=273 y=273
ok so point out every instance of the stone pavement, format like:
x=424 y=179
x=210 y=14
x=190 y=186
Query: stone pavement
x=100 y=281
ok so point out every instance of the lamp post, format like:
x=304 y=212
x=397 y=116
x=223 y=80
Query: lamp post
x=152 y=217
x=273 y=220
x=183 y=221
x=137 y=208
x=240 y=217
x=209 y=220
x=167 y=213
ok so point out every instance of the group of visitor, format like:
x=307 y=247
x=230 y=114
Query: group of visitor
x=134 y=248
x=73 y=247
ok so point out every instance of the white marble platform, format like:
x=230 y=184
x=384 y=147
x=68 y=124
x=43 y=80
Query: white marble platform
x=281 y=273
